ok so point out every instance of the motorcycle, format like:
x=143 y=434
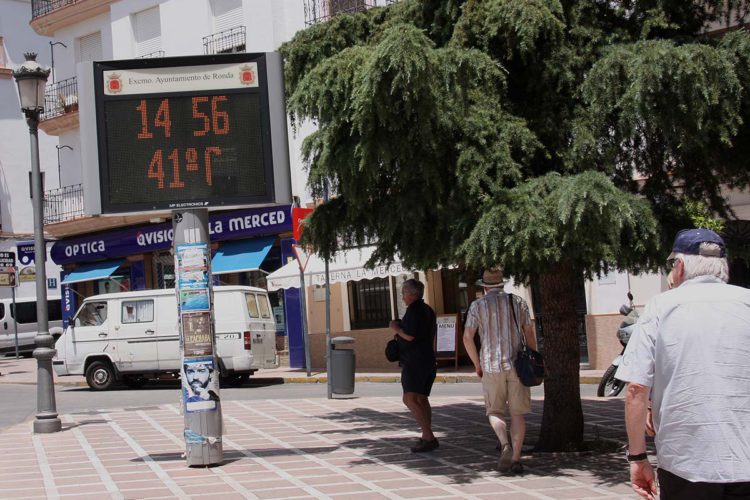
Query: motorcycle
x=609 y=386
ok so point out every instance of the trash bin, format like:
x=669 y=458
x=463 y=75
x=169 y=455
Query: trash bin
x=342 y=365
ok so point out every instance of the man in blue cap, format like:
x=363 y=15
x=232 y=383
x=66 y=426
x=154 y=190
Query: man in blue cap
x=690 y=351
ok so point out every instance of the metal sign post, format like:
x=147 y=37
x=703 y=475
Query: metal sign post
x=8 y=279
x=15 y=322
x=201 y=403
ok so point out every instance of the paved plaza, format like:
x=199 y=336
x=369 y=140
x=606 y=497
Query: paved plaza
x=348 y=447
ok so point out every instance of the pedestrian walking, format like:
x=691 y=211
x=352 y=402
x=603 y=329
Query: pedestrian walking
x=690 y=351
x=416 y=336
x=500 y=319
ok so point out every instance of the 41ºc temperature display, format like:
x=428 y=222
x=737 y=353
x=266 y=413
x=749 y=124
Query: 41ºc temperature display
x=171 y=151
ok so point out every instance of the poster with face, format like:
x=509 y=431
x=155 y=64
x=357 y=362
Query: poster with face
x=200 y=384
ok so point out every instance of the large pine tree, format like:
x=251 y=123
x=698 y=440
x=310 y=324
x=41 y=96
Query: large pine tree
x=557 y=138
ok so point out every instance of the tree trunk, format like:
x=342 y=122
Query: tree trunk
x=562 y=418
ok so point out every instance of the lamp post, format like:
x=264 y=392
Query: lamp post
x=31 y=79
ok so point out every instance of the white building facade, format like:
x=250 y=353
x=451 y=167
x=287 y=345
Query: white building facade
x=106 y=30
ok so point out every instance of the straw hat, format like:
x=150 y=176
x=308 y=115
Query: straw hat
x=492 y=278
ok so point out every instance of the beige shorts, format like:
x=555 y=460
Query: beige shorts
x=504 y=388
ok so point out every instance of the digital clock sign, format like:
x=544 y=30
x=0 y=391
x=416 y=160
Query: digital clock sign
x=189 y=132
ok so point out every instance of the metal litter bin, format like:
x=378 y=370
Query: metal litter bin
x=342 y=365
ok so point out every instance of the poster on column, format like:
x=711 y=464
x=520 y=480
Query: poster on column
x=192 y=266
x=196 y=331
x=200 y=384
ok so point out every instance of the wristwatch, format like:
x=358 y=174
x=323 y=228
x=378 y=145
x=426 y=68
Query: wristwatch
x=640 y=457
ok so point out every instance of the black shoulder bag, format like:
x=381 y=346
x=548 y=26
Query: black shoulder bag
x=529 y=363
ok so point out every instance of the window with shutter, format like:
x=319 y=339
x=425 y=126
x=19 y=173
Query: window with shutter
x=89 y=47
x=147 y=31
x=226 y=14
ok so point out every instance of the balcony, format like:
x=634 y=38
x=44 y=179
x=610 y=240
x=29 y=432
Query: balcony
x=153 y=55
x=317 y=11
x=225 y=42
x=60 y=107
x=49 y=16
x=63 y=204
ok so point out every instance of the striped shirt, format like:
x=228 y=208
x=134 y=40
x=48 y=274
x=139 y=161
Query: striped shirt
x=500 y=338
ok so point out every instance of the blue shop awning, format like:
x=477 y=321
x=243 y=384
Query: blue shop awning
x=93 y=271
x=241 y=255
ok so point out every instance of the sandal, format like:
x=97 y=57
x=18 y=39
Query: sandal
x=423 y=446
x=516 y=468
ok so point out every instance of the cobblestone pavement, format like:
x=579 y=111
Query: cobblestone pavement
x=304 y=448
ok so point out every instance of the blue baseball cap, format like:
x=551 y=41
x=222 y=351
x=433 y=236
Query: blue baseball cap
x=688 y=241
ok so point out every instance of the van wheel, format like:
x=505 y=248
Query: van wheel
x=100 y=376
x=134 y=381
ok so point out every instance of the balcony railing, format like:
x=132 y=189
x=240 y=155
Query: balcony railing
x=60 y=98
x=152 y=55
x=63 y=204
x=42 y=7
x=317 y=11
x=225 y=42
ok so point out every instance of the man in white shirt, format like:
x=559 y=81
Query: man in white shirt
x=691 y=351
x=501 y=319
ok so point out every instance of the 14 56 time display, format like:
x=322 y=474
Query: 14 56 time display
x=186 y=148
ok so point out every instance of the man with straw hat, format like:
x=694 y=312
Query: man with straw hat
x=501 y=319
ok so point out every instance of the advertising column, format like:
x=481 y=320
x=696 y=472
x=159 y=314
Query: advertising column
x=200 y=369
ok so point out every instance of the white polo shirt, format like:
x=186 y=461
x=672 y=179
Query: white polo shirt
x=692 y=347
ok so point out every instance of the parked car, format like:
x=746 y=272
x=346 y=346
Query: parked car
x=134 y=336
x=24 y=312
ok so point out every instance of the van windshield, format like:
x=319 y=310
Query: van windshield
x=92 y=314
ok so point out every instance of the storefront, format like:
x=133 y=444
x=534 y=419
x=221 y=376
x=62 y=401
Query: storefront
x=246 y=245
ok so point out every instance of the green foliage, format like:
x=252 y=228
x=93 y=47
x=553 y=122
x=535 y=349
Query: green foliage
x=701 y=217
x=528 y=134
x=584 y=220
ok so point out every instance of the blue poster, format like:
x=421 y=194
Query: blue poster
x=194 y=300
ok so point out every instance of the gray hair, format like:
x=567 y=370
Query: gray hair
x=413 y=287
x=699 y=265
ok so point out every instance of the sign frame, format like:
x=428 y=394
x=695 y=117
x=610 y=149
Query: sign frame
x=449 y=355
x=272 y=136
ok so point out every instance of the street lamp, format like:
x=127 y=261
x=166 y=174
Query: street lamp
x=31 y=79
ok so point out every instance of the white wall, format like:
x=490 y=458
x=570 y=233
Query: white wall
x=15 y=156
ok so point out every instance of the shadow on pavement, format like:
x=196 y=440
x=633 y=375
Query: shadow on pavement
x=468 y=445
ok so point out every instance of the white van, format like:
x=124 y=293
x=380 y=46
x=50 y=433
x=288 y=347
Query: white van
x=24 y=312
x=133 y=336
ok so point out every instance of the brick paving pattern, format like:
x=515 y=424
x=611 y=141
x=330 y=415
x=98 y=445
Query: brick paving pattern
x=311 y=448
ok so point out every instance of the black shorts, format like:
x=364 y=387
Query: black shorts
x=418 y=379
x=673 y=487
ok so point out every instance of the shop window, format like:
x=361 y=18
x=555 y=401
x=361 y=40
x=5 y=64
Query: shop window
x=369 y=303
x=164 y=270
x=137 y=311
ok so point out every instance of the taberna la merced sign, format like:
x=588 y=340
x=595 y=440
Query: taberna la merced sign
x=235 y=224
x=188 y=132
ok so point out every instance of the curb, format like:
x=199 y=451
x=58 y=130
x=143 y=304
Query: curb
x=383 y=379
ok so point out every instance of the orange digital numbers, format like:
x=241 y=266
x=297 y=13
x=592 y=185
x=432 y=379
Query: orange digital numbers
x=211 y=118
x=156 y=167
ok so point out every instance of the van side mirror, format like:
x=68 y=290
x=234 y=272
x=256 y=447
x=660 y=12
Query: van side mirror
x=625 y=309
